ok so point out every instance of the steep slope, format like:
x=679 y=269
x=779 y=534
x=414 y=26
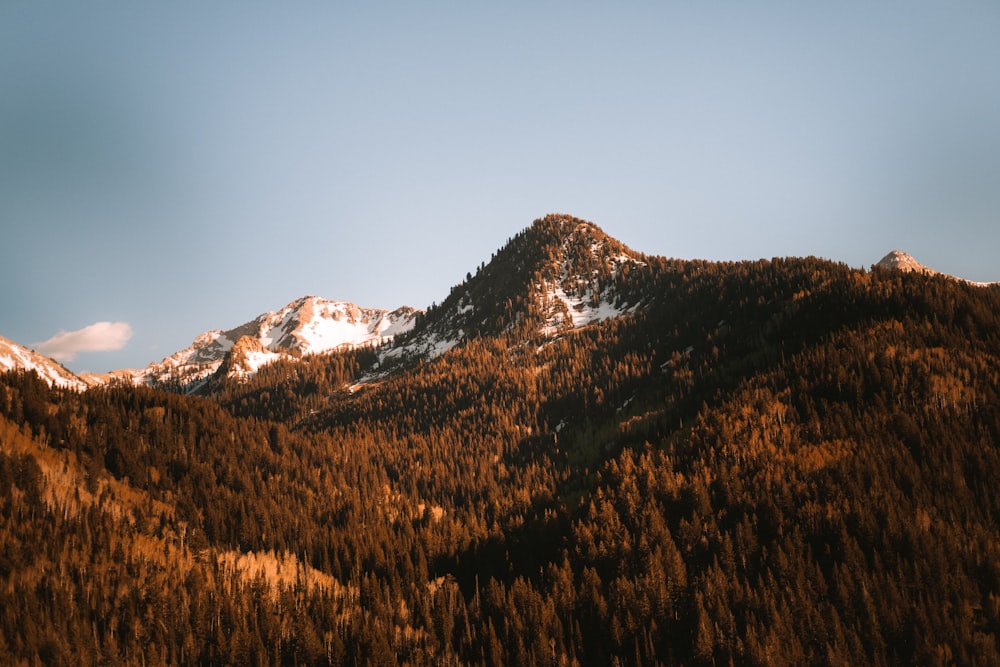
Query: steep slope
x=771 y=462
x=778 y=462
x=246 y=357
x=14 y=357
x=130 y=552
x=559 y=274
x=309 y=325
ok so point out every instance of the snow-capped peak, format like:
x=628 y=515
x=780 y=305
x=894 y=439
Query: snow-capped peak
x=560 y=273
x=18 y=357
x=900 y=261
x=308 y=325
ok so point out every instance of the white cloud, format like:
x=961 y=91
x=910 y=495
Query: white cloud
x=98 y=337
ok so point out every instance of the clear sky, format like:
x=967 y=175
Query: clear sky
x=168 y=168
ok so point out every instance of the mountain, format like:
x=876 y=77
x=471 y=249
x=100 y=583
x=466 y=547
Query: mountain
x=900 y=261
x=18 y=357
x=309 y=325
x=583 y=456
x=559 y=274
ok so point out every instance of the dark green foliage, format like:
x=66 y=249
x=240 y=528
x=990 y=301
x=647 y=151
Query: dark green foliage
x=785 y=462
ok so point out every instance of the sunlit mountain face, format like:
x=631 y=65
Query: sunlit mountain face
x=582 y=455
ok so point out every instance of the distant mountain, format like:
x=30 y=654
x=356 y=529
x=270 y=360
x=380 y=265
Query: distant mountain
x=309 y=325
x=560 y=274
x=18 y=357
x=901 y=261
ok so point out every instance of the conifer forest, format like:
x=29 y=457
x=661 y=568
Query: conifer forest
x=780 y=462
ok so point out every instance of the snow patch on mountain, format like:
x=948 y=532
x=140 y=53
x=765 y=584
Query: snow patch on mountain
x=570 y=270
x=247 y=356
x=575 y=299
x=430 y=346
x=309 y=325
x=15 y=357
x=581 y=310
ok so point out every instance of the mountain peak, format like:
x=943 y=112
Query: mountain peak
x=901 y=261
x=557 y=274
x=560 y=225
x=897 y=260
x=307 y=325
x=577 y=284
x=563 y=236
x=14 y=357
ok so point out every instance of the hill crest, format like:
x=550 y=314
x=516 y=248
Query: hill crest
x=308 y=325
x=559 y=274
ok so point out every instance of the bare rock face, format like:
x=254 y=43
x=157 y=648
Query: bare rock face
x=898 y=260
x=244 y=356
x=901 y=261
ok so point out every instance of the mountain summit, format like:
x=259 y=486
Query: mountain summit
x=579 y=277
x=901 y=261
x=897 y=260
x=558 y=274
x=309 y=325
x=621 y=459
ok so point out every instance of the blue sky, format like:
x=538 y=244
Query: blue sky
x=173 y=169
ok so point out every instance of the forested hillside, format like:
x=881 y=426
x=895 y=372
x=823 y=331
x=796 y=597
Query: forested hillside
x=774 y=462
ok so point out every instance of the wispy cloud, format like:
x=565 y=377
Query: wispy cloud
x=98 y=337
